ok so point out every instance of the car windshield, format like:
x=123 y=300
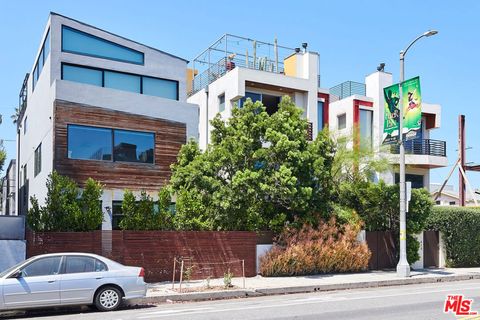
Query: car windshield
x=4 y=273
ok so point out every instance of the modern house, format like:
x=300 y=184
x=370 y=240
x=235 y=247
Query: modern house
x=360 y=106
x=235 y=68
x=99 y=105
x=8 y=190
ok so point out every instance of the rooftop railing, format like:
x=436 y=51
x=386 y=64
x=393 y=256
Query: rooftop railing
x=222 y=66
x=347 y=89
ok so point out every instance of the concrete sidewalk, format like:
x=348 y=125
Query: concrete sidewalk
x=196 y=290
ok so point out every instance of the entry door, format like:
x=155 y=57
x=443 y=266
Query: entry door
x=38 y=285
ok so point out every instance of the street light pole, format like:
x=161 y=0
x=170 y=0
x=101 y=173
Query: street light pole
x=403 y=267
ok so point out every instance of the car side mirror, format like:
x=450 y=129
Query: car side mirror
x=17 y=274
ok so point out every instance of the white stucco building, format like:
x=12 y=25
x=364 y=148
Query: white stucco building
x=96 y=104
x=361 y=105
x=235 y=68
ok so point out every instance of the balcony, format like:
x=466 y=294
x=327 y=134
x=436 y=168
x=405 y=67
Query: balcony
x=347 y=89
x=427 y=147
x=231 y=52
x=423 y=153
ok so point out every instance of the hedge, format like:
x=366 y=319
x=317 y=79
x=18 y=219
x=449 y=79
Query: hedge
x=460 y=227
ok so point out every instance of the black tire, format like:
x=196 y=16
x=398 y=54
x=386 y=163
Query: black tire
x=108 y=299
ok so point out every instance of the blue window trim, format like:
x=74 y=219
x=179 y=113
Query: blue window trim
x=112 y=133
x=104 y=40
x=133 y=74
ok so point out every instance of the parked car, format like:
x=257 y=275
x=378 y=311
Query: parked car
x=65 y=279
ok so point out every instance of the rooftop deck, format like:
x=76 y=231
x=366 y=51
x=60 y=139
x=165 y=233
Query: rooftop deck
x=232 y=51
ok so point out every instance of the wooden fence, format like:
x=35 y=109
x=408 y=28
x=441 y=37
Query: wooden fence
x=208 y=253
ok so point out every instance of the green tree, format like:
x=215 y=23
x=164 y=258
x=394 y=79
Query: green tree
x=130 y=220
x=91 y=216
x=259 y=172
x=65 y=209
x=146 y=214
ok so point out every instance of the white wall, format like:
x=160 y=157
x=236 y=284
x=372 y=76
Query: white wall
x=233 y=85
x=39 y=112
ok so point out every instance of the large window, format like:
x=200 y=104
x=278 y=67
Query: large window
x=320 y=115
x=89 y=143
x=42 y=57
x=366 y=123
x=160 y=87
x=132 y=146
x=122 y=81
x=92 y=143
x=38 y=160
x=83 y=75
x=79 y=42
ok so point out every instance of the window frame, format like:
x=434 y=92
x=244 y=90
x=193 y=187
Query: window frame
x=343 y=115
x=36 y=71
x=60 y=263
x=135 y=131
x=370 y=112
x=88 y=126
x=121 y=72
x=37 y=160
x=320 y=124
x=220 y=97
x=101 y=39
x=112 y=139
x=63 y=267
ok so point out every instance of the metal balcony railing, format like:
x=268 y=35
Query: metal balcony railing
x=347 y=89
x=422 y=147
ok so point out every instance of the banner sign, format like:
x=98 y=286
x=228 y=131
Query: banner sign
x=412 y=111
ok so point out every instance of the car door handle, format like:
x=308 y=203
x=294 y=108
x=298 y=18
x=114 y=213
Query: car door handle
x=51 y=281
x=98 y=278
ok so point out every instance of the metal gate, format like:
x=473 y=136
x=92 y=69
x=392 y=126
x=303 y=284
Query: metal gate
x=430 y=249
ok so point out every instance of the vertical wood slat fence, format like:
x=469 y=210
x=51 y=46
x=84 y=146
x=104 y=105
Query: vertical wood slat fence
x=156 y=250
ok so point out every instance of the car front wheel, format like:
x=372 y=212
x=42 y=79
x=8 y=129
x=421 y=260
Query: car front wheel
x=108 y=299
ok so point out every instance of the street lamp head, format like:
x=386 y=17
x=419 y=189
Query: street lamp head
x=430 y=33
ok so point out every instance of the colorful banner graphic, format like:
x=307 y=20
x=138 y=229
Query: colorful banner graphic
x=412 y=111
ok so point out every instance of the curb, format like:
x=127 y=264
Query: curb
x=245 y=293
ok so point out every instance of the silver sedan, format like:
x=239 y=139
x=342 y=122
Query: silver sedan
x=63 y=279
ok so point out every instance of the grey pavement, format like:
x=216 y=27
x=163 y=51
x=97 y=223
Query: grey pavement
x=417 y=301
x=257 y=286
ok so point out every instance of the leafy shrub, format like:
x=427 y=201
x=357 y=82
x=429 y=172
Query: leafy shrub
x=67 y=208
x=324 y=249
x=459 y=226
x=146 y=214
x=378 y=206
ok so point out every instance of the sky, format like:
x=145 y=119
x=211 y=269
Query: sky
x=352 y=37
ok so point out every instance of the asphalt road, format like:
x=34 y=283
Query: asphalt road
x=402 y=302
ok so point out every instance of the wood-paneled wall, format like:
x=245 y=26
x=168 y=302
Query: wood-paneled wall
x=169 y=137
